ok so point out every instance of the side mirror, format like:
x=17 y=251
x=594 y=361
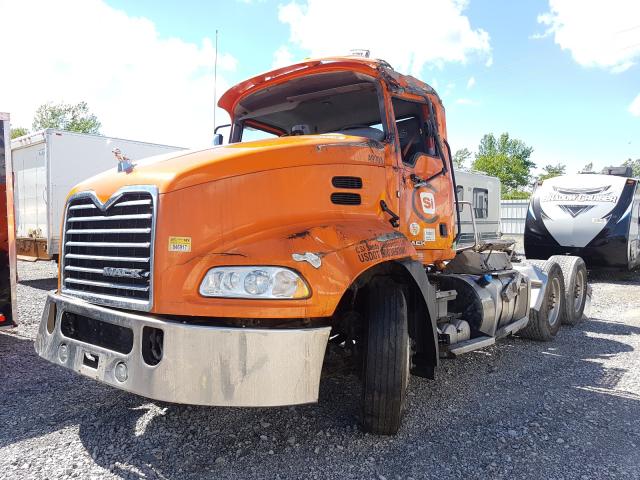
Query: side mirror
x=217 y=137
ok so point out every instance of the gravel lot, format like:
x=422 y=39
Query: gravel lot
x=569 y=409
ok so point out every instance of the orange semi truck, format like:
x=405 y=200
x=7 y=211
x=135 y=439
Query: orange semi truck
x=219 y=277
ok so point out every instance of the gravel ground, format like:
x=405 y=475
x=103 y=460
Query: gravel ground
x=569 y=409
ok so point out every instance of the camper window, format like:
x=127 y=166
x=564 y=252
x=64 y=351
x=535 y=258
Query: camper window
x=460 y=193
x=480 y=202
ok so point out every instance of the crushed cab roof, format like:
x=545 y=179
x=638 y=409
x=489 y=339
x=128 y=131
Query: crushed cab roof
x=373 y=67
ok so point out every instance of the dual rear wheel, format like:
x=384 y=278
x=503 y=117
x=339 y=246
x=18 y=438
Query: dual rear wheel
x=565 y=299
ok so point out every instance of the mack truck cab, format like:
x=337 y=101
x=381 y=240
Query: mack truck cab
x=219 y=276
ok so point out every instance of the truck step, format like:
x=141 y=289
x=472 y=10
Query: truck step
x=470 y=345
x=512 y=327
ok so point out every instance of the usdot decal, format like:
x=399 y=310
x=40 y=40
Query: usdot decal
x=428 y=203
x=179 y=244
x=414 y=229
x=368 y=251
x=429 y=234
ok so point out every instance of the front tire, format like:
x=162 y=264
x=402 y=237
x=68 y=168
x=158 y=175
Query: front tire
x=387 y=358
x=574 y=271
x=544 y=324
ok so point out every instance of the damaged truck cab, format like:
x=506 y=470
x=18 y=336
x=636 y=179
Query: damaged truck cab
x=218 y=277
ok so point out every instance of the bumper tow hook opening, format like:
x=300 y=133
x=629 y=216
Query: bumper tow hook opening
x=51 y=318
x=90 y=360
x=152 y=345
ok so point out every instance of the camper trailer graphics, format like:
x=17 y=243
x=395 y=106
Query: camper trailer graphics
x=598 y=194
x=590 y=215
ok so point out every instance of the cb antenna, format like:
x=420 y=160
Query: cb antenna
x=215 y=82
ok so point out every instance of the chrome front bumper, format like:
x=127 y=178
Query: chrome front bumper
x=200 y=365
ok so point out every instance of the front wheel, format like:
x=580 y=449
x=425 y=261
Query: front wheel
x=544 y=323
x=387 y=358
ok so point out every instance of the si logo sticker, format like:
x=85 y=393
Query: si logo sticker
x=414 y=229
x=179 y=244
x=428 y=203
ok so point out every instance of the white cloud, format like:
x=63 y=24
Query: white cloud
x=282 y=57
x=605 y=35
x=139 y=84
x=634 y=106
x=388 y=30
x=466 y=101
x=448 y=89
x=471 y=82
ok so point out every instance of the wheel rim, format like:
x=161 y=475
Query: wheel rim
x=553 y=302
x=579 y=291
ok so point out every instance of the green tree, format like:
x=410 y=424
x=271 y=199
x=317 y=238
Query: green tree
x=74 y=118
x=635 y=166
x=460 y=157
x=506 y=158
x=515 y=195
x=550 y=171
x=18 y=132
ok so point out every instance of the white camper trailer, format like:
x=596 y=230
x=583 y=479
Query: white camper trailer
x=483 y=192
x=46 y=165
x=590 y=215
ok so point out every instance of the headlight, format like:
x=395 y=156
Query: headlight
x=253 y=282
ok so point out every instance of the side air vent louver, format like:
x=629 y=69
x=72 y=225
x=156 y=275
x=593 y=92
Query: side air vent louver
x=341 y=198
x=347 y=182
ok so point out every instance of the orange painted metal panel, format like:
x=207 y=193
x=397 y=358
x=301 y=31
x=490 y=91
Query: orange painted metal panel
x=258 y=203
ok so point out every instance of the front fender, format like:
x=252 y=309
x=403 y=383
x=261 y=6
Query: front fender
x=341 y=252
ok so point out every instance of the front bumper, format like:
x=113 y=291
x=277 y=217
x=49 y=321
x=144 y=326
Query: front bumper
x=200 y=365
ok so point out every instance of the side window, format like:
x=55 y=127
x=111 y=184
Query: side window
x=410 y=136
x=415 y=134
x=409 y=123
x=480 y=202
x=460 y=192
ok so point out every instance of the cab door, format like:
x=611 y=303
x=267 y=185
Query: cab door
x=426 y=193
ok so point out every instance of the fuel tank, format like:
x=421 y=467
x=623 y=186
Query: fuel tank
x=488 y=301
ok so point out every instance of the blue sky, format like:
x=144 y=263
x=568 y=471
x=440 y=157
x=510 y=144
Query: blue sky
x=539 y=70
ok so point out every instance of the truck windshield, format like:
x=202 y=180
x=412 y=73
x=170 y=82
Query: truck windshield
x=338 y=102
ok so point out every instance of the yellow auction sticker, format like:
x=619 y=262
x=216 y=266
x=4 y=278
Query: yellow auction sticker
x=179 y=244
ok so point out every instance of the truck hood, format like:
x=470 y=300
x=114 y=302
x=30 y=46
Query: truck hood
x=180 y=170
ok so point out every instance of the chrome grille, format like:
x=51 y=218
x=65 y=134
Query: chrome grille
x=108 y=249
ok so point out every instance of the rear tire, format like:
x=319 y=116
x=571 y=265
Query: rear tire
x=544 y=324
x=574 y=271
x=387 y=358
